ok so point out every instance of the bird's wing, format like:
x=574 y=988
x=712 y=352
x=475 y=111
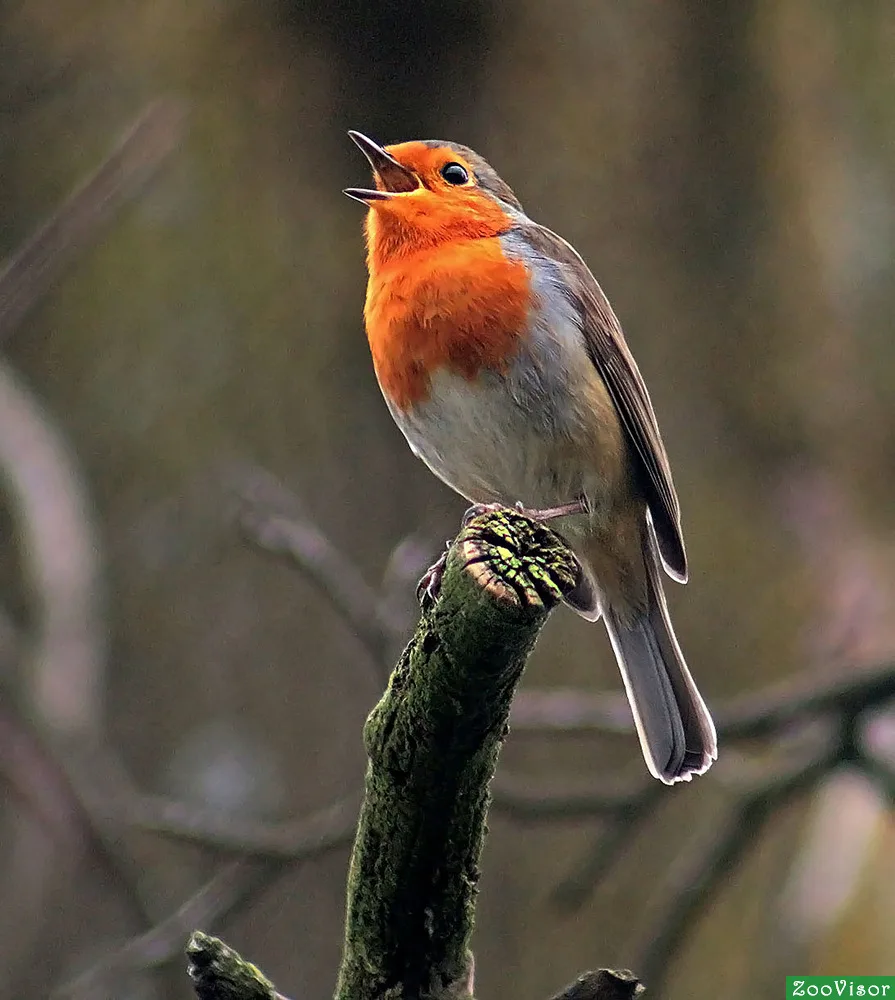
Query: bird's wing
x=612 y=358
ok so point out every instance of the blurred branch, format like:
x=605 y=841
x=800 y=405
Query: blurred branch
x=754 y=714
x=41 y=782
x=881 y=774
x=218 y=897
x=620 y=829
x=528 y=800
x=27 y=276
x=48 y=497
x=62 y=660
x=36 y=779
x=85 y=798
x=43 y=843
x=570 y=711
x=270 y=518
x=710 y=855
x=808 y=693
x=295 y=840
x=53 y=518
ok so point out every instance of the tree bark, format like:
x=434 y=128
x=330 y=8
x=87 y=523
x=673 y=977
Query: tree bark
x=433 y=743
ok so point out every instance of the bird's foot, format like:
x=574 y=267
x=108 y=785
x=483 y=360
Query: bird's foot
x=479 y=508
x=429 y=587
x=578 y=506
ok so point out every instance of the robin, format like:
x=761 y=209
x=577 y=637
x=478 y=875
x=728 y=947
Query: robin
x=506 y=369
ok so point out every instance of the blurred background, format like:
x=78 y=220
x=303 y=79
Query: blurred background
x=725 y=168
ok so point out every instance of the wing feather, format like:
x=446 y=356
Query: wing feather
x=612 y=358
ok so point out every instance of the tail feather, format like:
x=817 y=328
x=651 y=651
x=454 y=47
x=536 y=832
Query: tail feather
x=676 y=731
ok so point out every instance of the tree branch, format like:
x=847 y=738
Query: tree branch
x=25 y=278
x=570 y=711
x=714 y=851
x=529 y=800
x=808 y=693
x=270 y=518
x=292 y=840
x=433 y=742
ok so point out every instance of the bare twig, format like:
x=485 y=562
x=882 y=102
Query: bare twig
x=577 y=712
x=524 y=799
x=208 y=907
x=618 y=834
x=271 y=518
x=59 y=546
x=808 y=693
x=27 y=276
x=322 y=831
x=711 y=854
x=570 y=711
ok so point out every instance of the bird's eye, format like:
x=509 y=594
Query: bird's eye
x=454 y=173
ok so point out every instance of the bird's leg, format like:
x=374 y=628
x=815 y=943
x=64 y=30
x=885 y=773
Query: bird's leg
x=428 y=588
x=479 y=508
x=578 y=506
x=430 y=582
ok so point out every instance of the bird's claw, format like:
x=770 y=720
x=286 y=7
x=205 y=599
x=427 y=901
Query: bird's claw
x=578 y=506
x=429 y=587
x=477 y=509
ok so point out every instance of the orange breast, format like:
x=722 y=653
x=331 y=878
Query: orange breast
x=460 y=306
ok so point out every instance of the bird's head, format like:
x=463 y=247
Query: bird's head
x=429 y=192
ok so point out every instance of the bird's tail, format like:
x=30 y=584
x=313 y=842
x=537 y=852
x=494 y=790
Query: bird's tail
x=676 y=731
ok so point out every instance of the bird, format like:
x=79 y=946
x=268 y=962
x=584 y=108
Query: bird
x=505 y=367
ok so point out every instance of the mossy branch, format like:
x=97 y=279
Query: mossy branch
x=433 y=743
x=220 y=973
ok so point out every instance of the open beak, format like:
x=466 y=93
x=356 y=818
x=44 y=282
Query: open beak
x=393 y=177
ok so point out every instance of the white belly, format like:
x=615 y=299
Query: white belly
x=533 y=434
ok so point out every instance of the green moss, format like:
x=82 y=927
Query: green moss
x=220 y=973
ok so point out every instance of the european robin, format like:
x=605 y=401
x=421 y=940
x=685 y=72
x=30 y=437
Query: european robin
x=506 y=369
